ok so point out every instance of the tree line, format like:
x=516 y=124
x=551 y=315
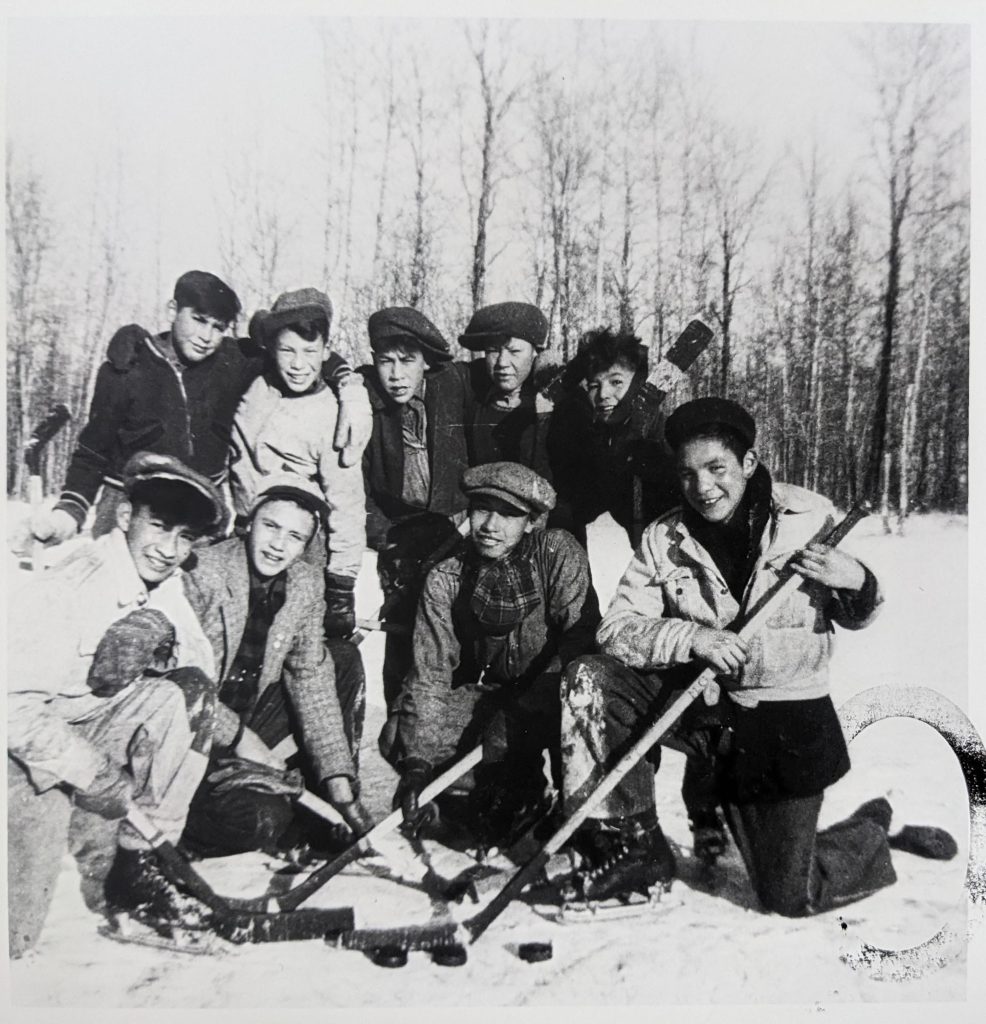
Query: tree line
x=607 y=189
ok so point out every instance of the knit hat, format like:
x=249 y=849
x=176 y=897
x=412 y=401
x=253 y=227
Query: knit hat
x=511 y=482
x=692 y=417
x=402 y=323
x=492 y=325
x=303 y=305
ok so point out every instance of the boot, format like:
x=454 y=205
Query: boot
x=708 y=836
x=136 y=887
x=627 y=856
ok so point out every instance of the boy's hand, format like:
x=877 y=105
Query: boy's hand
x=830 y=567
x=53 y=526
x=355 y=422
x=726 y=652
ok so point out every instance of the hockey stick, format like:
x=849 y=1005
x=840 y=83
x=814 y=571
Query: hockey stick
x=293 y=899
x=687 y=347
x=444 y=933
x=228 y=920
x=33 y=450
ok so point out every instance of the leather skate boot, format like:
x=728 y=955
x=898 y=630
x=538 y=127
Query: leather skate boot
x=624 y=857
x=708 y=836
x=136 y=887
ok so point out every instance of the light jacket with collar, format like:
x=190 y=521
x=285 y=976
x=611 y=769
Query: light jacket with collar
x=275 y=432
x=672 y=586
x=54 y=624
x=218 y=588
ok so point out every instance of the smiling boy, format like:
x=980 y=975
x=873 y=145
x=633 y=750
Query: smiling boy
x=780 y=744
x=496 y=624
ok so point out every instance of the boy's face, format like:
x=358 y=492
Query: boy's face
x=510 y=364
x=495 y=533
x=195 y=335
x=401 y=368
x=279 y=533
x=608 y=387
x=299 y=362
x=713 y=480
x=158 y=543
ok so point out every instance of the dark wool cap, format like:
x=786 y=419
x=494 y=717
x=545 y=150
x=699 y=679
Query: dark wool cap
x=144 y=467
x=693 y=417
x=491 y=325
x=510 y=482
x=404 y=324
x=206 y=294
x=301 y=306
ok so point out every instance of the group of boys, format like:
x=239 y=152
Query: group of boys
x=167 y=664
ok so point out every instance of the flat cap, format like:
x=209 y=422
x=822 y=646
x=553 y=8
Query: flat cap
x=143 y=467
x=492 y=325
x=402 y=323
x=510 y=482
x=303 y=305
x=292 y=487
x=692 y=417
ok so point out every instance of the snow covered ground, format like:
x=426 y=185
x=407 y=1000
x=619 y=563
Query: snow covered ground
x=714 y=947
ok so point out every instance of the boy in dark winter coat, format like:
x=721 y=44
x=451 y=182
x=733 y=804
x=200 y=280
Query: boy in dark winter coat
x=780 y=743
x=412 y=465
x=497 y=622
x=173 y=394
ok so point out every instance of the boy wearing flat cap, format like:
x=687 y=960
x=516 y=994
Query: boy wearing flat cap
x=261 y=606
x=412 y=465
x=286 y=421
x=496 y=624
x=73 y=737
x=780 y=745
x=507 y=423
x=175 y=394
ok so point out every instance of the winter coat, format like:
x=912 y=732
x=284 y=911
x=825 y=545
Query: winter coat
x=218 y=588
x=275 y=431
x=55 y=623
x=596 y=463
x=446 y=400
x=144 y=401
x=452 y=649
x=672 y=586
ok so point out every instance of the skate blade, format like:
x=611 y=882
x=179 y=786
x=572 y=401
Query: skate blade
x=130 y=932
x=657 y=902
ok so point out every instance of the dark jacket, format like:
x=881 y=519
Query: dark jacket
x=447 y=402
x=144 y=402
x=611 y=455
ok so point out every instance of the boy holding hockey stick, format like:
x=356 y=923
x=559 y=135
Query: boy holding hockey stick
x=779 y=744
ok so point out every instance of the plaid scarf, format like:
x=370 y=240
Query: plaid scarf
x=239 y=689
x=506 y=591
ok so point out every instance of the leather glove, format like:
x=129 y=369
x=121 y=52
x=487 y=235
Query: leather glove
x=415 y=775
x=343 y=795
x=340 y=605
x=109 y=795
x=235 y=773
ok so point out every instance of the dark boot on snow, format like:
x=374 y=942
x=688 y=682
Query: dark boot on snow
x=708 y=836
x=136 y=887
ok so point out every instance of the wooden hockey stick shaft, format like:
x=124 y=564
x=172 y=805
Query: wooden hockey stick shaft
x=318 y=878
x=516 y=884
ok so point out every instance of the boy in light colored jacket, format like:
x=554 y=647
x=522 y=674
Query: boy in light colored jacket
x=779 y=743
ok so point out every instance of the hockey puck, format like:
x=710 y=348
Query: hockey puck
x=453 y=955
x=535 y=952
x=389 y=956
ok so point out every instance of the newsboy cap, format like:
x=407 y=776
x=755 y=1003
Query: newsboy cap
x=492 y=325
x=510 y=482
x=145 y=467
x=402 y=323
x=692 y=417
x=290 y=308
x=292 y=487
